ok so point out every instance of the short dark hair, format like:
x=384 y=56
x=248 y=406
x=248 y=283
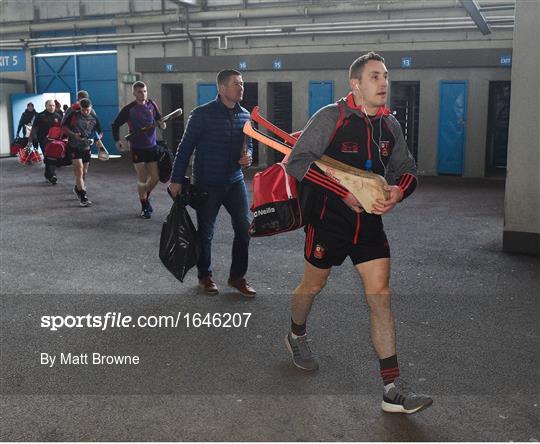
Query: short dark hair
x=138 y=84
x=223 y=76
x=356 y=68
x=82 y=94
x=85 y=103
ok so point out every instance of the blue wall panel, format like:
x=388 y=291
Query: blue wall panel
x=320 y=94
x=452 y=118
x=206 y=92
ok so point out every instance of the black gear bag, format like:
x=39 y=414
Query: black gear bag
x=165 y=161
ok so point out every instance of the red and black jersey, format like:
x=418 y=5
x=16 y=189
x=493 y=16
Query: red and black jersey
x=346 y=133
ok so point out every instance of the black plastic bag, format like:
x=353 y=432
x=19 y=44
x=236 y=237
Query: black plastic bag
x=165 y=162
x=191 y=194
x=179 y=248
x=195 y=196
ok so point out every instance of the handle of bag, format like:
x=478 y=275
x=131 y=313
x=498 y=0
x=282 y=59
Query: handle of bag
x=287 y=186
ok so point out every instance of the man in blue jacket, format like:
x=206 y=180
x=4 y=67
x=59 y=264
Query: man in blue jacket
x=214 y=132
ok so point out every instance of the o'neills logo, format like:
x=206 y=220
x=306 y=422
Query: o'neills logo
x=330 y=173
x=264 y=211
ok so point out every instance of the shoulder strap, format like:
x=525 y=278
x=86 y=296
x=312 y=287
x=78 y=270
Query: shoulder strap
x=154 y=105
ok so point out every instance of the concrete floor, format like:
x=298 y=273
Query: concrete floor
x=467 y=321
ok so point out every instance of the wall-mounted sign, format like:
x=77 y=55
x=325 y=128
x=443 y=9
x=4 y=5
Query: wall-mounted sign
x=505 y=60
x=129 y=78
x=169 y=67
x=406 y=62
x=242 y=65
x=277 y=64
x=12 y=61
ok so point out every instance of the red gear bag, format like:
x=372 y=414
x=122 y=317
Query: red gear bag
x=276 y=206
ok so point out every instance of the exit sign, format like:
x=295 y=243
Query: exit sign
x=505 y=60
x=129 y=78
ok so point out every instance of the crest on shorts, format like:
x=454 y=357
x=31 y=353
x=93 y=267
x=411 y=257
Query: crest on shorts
x=318 y=253
x=385 y=148
x=349 y=147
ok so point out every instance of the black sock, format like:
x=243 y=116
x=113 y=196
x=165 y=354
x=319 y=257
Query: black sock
x=389 y=369
x=144 y=203
x=298 y=330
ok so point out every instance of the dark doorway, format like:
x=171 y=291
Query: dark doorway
x=497 y=128
x=172 y=97
x=250 y=100
x=406 y=103
x=280 y=110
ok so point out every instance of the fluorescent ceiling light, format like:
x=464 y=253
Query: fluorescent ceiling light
x=59 y=54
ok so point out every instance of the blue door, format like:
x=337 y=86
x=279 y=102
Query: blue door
x=452 y=118
x=206 y=92
x=95 y=73
x=320 y=94
x=54 y=74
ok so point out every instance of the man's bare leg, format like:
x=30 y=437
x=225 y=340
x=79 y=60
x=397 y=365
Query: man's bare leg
x=142 y=177
x=142 y=190
x=397 y=396
x=85 y=170
x=78 y=173
x=312 y=283
x=80 y=170
x=375 y=276
x=152 y=177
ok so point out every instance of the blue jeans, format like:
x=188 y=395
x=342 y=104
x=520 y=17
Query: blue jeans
x=235 y=200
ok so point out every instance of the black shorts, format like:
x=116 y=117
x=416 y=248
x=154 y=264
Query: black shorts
x=323 y=250
x=84 y=154
x=139 y=155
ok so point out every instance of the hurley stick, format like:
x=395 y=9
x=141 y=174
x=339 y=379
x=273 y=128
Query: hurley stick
x=175 y=113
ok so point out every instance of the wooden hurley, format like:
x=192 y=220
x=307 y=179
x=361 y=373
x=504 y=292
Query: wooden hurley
x=103 y=154
x=367 y=187
x=175 y=113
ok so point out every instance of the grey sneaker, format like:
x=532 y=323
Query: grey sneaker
x=301 y=353
x=401 y=399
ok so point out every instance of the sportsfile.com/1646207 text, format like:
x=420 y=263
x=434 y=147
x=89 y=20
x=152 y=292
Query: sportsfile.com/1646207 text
x=119 y=320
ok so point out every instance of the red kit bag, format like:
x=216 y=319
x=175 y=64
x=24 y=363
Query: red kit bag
x=56 y=149
x=24 y=156
x=29 y=155
x=36 y=156
x=55 y=131
x=17 y=144
x=276 y=206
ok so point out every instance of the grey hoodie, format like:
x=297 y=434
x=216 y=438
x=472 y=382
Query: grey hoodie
x=319 y=131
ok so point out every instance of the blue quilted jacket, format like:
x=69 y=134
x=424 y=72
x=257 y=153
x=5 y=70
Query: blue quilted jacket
x=215 y=134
